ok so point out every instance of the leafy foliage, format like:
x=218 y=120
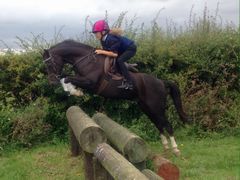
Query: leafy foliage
x=203 y=58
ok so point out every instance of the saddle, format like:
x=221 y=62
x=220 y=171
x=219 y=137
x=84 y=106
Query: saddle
x=111 y=70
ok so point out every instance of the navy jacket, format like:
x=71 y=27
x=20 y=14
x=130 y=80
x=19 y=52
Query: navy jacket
x=116 y=44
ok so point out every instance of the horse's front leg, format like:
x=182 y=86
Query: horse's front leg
x=70 y=85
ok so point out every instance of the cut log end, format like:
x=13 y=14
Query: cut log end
x=136 y=150
x=169 y=171
x=165 y=168
x=91 y=137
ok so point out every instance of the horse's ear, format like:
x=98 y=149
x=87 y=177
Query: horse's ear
x=45 y=52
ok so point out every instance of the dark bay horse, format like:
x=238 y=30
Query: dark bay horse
x=149 y=92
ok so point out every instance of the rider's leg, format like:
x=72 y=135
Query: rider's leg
x=120 y=63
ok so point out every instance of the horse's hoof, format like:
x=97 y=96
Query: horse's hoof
x=176 y=152
x=79 y=93
x=76 y=93
x=166 y=147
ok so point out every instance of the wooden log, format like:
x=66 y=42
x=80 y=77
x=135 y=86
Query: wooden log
x=116 y=164
x=75 y=148
x=140 y=166
x=165 y=168
x=99 y=172
x=87 y=132
x=151 y=175
x=88 y=166
x=129 y=144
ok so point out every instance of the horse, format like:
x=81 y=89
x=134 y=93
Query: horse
x=149 y=92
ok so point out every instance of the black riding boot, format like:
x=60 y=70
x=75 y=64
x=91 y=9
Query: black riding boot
x=126 y=84
x=130 y=52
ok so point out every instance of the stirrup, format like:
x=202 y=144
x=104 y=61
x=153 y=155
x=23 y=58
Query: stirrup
x=123 y=85
x=129 y=86
x=126 y=85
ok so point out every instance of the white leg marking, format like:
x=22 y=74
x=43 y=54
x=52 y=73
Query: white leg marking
x=64 y=85
x=69 y=87
x=164 y=142
x=176 y=151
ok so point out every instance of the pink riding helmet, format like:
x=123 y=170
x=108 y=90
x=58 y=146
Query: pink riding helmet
x=100 y=26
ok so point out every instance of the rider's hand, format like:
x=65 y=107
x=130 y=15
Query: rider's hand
x=107 y=53
x=99 y=51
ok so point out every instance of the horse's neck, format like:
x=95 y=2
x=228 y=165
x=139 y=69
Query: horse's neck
x=77 y=57
x=94 y=64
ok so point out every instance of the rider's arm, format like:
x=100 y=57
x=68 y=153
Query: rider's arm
x=107 y=53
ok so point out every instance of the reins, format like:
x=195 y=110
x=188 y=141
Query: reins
x=85 y=57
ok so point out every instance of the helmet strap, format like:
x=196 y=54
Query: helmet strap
x=103 y=34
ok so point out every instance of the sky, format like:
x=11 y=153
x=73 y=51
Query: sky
x=23 y=18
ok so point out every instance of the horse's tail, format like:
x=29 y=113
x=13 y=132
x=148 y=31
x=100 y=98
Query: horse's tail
x=175 y=93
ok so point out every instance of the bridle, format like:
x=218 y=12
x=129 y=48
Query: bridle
x=54 y=64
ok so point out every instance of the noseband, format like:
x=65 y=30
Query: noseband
x=53 y=64
x=48 y=59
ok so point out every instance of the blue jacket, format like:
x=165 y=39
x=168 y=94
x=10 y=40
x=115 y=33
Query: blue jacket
x=117 y=44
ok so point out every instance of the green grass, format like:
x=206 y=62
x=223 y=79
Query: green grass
x=202 y=159
x=209 y=158
x=44 y=162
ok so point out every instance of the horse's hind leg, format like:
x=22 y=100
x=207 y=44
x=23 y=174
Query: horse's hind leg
x=168 y=127
x=164 y=141
x=159 y=119
x=145 y=108
x=174 y=145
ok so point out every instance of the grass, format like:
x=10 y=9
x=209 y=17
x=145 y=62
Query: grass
x=44 y=162
x=202 y=159
x=209 y=158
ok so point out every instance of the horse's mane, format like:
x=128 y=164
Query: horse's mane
x=70 y=47
x=71 y=43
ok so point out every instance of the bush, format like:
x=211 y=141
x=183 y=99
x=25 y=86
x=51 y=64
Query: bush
x=5 y=126
x=203 y=58
x=23 y=78
x=144 y=128
x=26 y=126
x=29 y=126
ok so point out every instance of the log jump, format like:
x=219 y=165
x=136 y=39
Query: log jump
x=110 y=151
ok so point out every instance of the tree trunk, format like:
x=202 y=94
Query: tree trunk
x=88 y=166
x=151 y=175
x=75 y=148
x=116 y=164
x=129 y=144
x=86 y=131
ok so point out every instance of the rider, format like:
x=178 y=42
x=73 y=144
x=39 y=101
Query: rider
x=116 y=46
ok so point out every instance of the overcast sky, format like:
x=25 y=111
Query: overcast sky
x=23 y=17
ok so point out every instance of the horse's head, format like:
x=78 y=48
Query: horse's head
x=54 y=67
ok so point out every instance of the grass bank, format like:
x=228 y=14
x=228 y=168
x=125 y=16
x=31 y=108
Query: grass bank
x=202 y=159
